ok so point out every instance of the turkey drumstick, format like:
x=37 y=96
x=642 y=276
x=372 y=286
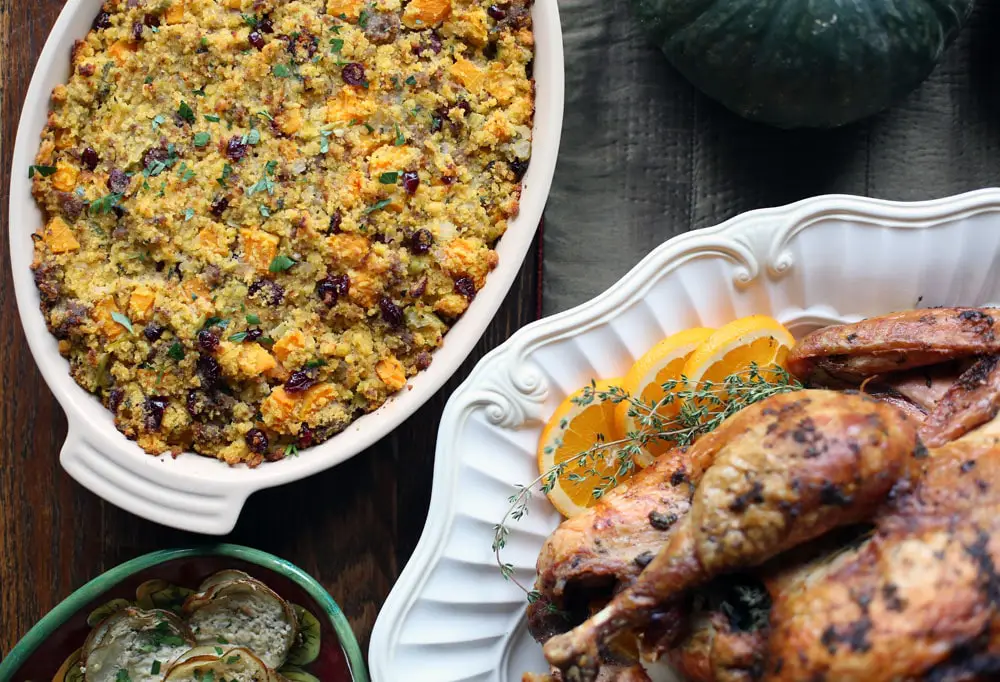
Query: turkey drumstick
x=775 y=475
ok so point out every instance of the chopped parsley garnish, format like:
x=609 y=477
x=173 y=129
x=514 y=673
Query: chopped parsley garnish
x=280 y=263
x=265 y=210
x=400 y=139
x=291 y=450
x=185 y=172
x=253 y=319
x=253 y=137
x=159 y=120
x=363 y=17
x=188 y=214
x=176 y=351
x=266 y=114
x=105 y=203
x=200 y=92
x=186 y=112
x=216 y=322
x=239 y=337
x=336 y=44
x=281 y=71
x=377 y=206
x=44 y=171
x=250 y=20
x=410 y=80
x=155 y=669
x=123 y=321
x=122 y=676
x=227 y=170
x=221 y=640
x=389 y=178
x=270 y=167
x=313 y=364
x=324 y=142
x=201 y=139
x=219 y=650
x=265 y=184
x=212 y=117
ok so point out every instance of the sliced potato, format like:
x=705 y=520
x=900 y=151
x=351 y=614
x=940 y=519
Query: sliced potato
x=247 y=613
x=223 y=576
x=105 y=610
x=235 y=664
x=141 y=643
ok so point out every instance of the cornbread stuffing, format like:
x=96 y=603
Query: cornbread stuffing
x=262 y=216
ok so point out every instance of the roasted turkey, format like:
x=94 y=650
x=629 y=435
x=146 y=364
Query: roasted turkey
x=820 y=535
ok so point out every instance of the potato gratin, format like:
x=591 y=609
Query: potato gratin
x=262 y=216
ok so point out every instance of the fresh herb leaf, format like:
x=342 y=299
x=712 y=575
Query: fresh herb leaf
x=105 y=203
x=250 y=20
x=201 y=139
x=186 y=112
x=400 y=139
x=265 y=210
x=200 y=92
x=336 y=44
x=227 y=170
x=188 y=214
x=270 y=167
x=155 y=669
x=219 y=651
x=410 y=80
x=123 y=321
x=216 y=322
x=266 y=114
x=176 y=351
x=389 y=178
x=122 y=676
x=253 y=137
x=281 y=71
x=239 y=337
x=280 y=263
x=44 y=171
x=313 y=364
x=159 y=120
x=212 y=117
x=291 y=450
x=253 y=319
x=363 y=17
x=221 y=640
x=377 y=206
x=324 y=142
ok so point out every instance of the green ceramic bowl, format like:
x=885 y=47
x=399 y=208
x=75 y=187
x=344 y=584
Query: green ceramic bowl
x=41 y=654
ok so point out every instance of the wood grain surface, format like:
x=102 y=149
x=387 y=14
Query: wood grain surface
x=352 y=527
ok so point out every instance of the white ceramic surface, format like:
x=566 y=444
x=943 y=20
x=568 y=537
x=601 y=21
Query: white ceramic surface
x=830 y=259
x=200 y=494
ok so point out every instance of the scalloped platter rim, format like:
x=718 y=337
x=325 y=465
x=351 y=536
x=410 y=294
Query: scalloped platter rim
x=823 y=260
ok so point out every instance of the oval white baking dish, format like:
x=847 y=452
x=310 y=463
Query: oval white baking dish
x=200 y=494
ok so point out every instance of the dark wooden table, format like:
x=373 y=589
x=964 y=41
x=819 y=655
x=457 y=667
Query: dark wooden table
x=352 y=527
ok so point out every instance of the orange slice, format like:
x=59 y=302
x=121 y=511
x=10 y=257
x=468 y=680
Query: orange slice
x=734 y=347
x=662 y=363
x=574 y=429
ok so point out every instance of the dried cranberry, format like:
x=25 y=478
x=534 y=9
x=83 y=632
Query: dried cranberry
x=435 y=42
x=466 y=287
x=89 y=158
x=305 y=437
x=193 y=402
x=210 y=371
x=236 y=148
x=518 y=168
x=274 y=293
x=335 y=220
x=153 y=332
x=155 y=407
x=254 y=333
x=102 y=21
x=151 y=19
x=154 y=155
x=256 y=39
x=497 y=12
x=219 y=206
x=115 y=399
x=300 y=381
x=353 y=74
x=421 y=241
x=391 y=313
x=411 y=181
x=118 y=181
x=137 y=30
x=265 y=25
x=332 y=288
x=448 y=179
x=491 y=49
x=423 y=360
x=207 y=341
x=256 y=441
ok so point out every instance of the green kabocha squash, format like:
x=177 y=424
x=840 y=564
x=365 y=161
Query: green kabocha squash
x=804 y=63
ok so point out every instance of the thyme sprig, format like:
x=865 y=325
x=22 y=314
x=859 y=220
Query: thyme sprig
x=703 y=407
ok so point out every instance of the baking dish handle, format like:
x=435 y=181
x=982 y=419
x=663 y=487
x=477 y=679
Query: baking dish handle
x=145 y=486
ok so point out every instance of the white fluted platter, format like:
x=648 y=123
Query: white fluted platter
x=451 y=616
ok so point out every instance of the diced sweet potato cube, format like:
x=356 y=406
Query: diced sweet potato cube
x=195 y=289
x=64 y=138
x=421 y=14
x=233 y=4
x=390 y=157
x=293 y=341
x=212 y=238
x=363 y=289
x=254 y=360
x=347 y=106
x=348 y=9
x=64 y=179
x=259 y=248
x=108 y=325
x=348 y=248
x=59 y=237
x=315 y=399
x=290 y=121
x=278 y=409
x=140 y=303
x=391 y=372
x=121 y=49
x=467 y=73
x=175 y=13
